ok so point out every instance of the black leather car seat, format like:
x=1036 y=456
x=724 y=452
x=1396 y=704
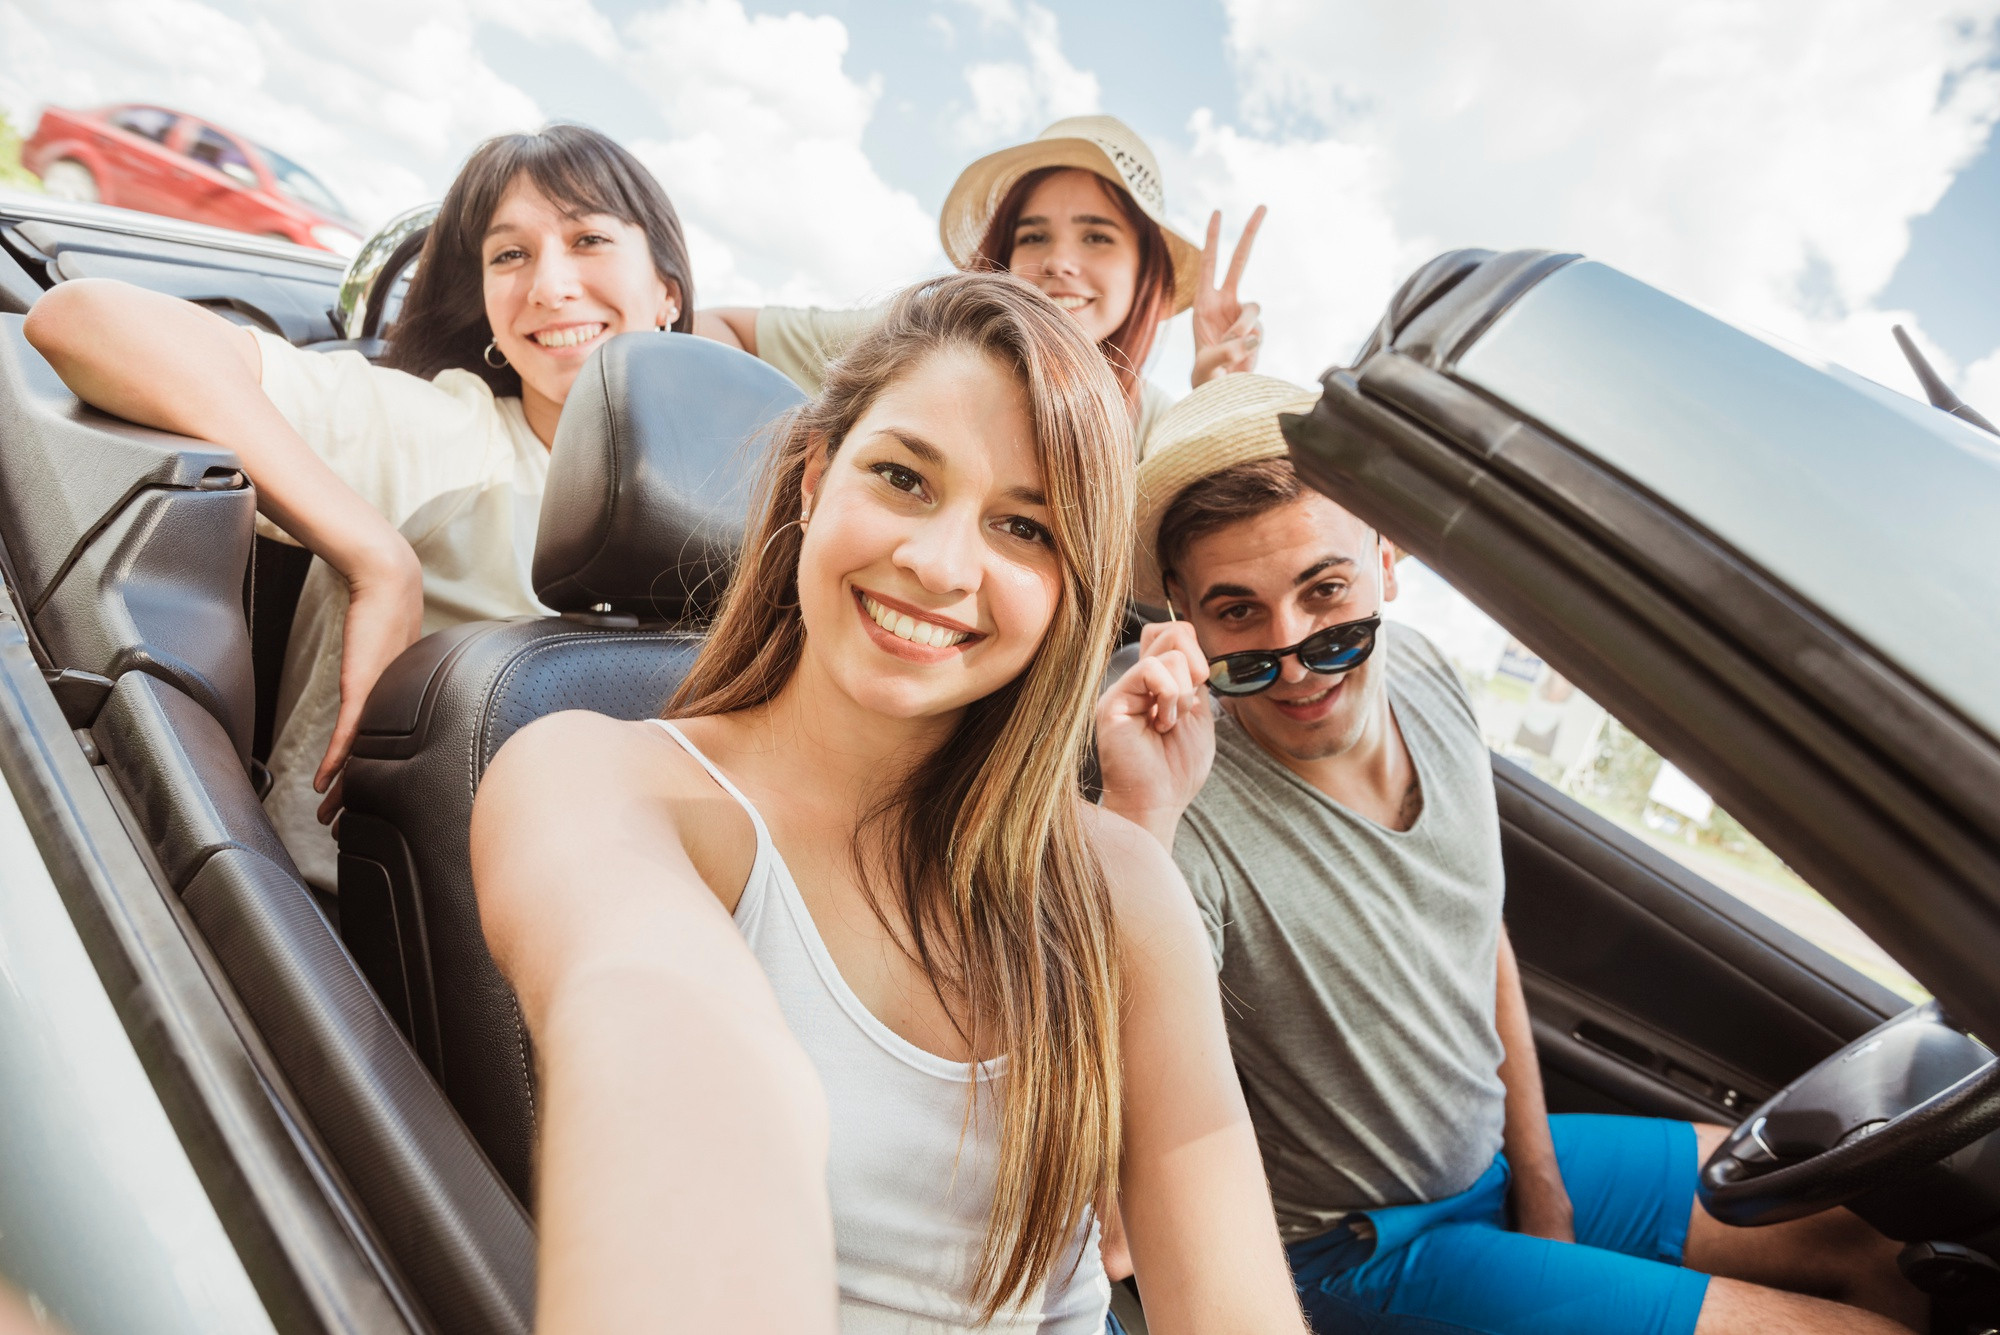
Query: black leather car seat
x=647 y=493
x=127 y=548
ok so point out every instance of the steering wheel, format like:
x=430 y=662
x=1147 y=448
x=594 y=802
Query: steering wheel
x=1899 y=1098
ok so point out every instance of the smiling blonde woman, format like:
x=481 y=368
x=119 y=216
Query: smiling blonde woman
x=856 y=1012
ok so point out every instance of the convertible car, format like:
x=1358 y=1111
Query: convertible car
x=230 y=1103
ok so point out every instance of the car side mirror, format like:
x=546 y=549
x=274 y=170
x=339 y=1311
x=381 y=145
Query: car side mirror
x=240 y=174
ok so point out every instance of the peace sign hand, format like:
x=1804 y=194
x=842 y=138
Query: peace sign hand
x=1226 y=329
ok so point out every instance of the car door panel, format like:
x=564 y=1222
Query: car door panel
x=1653 y=991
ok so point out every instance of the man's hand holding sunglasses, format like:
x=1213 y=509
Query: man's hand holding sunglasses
x=1156 y=731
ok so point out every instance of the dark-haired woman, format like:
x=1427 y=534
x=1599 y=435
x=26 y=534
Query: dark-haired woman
x=417 y=484
x=1080 y=212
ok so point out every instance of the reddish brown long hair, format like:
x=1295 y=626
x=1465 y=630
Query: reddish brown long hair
x=1152 y=293
x=984 y=856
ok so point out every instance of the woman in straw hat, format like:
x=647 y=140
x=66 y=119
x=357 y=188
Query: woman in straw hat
x=1080 y=212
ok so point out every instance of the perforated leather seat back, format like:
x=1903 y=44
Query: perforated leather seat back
x=406 y=903
x=647 y=486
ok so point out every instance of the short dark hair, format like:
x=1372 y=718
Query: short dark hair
x=443 y=320
x=1239 y=492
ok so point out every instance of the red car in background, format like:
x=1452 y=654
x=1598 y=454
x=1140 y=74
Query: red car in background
x=166 y=162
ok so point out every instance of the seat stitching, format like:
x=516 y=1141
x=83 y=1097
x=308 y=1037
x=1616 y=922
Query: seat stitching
x=499 y=687
x=527 y=1076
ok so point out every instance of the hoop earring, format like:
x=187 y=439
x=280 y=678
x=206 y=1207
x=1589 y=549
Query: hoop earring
x=776 y=533
x=488 y=355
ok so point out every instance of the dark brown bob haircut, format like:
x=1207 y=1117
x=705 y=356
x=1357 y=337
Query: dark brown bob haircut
x=1152 y=294
x=1218 y=501
x=443 y=321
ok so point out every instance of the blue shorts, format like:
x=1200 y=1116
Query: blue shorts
x=1452 y=1266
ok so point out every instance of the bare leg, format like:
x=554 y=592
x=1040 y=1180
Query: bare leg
x=1832 y=1254
x=1735 y=1308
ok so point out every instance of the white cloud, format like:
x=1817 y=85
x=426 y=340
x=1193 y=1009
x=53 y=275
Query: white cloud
x=763 y=157
x=1329 y=253
x=994 y=13
x=1764 y=160
x=552 y=21
x=1011 y=99
x=758 y=138
x=1979 y=384
x=383 y=121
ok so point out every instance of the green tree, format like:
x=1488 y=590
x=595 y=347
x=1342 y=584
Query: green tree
x=12 y=174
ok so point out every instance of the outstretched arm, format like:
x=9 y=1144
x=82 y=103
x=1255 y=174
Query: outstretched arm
x=167 y=363
x=681 y=1174
x=1196 y=1208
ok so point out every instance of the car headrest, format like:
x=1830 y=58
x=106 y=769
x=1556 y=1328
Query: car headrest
x=651 y=473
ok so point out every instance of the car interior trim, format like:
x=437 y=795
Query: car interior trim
x=309 y=1271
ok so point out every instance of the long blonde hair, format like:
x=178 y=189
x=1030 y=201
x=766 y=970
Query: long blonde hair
x=1005 y=905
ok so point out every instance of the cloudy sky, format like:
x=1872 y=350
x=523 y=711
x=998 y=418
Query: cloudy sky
x=1817 y=168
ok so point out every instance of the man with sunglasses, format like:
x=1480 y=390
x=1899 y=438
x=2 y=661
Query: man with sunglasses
x=1336 y=823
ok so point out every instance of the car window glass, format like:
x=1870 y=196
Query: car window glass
x=301 y=184
x=1533 y=715
x=218 y=152
x=147 y=122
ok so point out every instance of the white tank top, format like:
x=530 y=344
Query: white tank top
x=909 y=1175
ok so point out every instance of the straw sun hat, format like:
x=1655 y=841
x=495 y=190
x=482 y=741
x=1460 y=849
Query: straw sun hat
x=1100 y=144
x=1228 y=421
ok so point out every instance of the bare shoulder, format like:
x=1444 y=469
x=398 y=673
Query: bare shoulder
x=580 y=780
x=1148 y=894
x=558 y=750
x=587 y=768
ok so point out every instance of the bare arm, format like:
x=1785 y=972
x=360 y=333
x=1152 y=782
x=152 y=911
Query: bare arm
x=166 y=363
x=734 y=325
x=1541 y=1203
x=1196 y=1208
x=682 y=1165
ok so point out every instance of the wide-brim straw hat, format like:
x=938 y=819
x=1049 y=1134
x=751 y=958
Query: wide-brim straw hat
x=1228 y=421
x=1100 y=144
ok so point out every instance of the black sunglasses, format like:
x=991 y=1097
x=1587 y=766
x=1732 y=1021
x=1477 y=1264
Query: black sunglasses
x=1340 y=648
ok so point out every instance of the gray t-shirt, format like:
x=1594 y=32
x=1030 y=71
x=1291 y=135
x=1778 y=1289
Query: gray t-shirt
x=1358 y=962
